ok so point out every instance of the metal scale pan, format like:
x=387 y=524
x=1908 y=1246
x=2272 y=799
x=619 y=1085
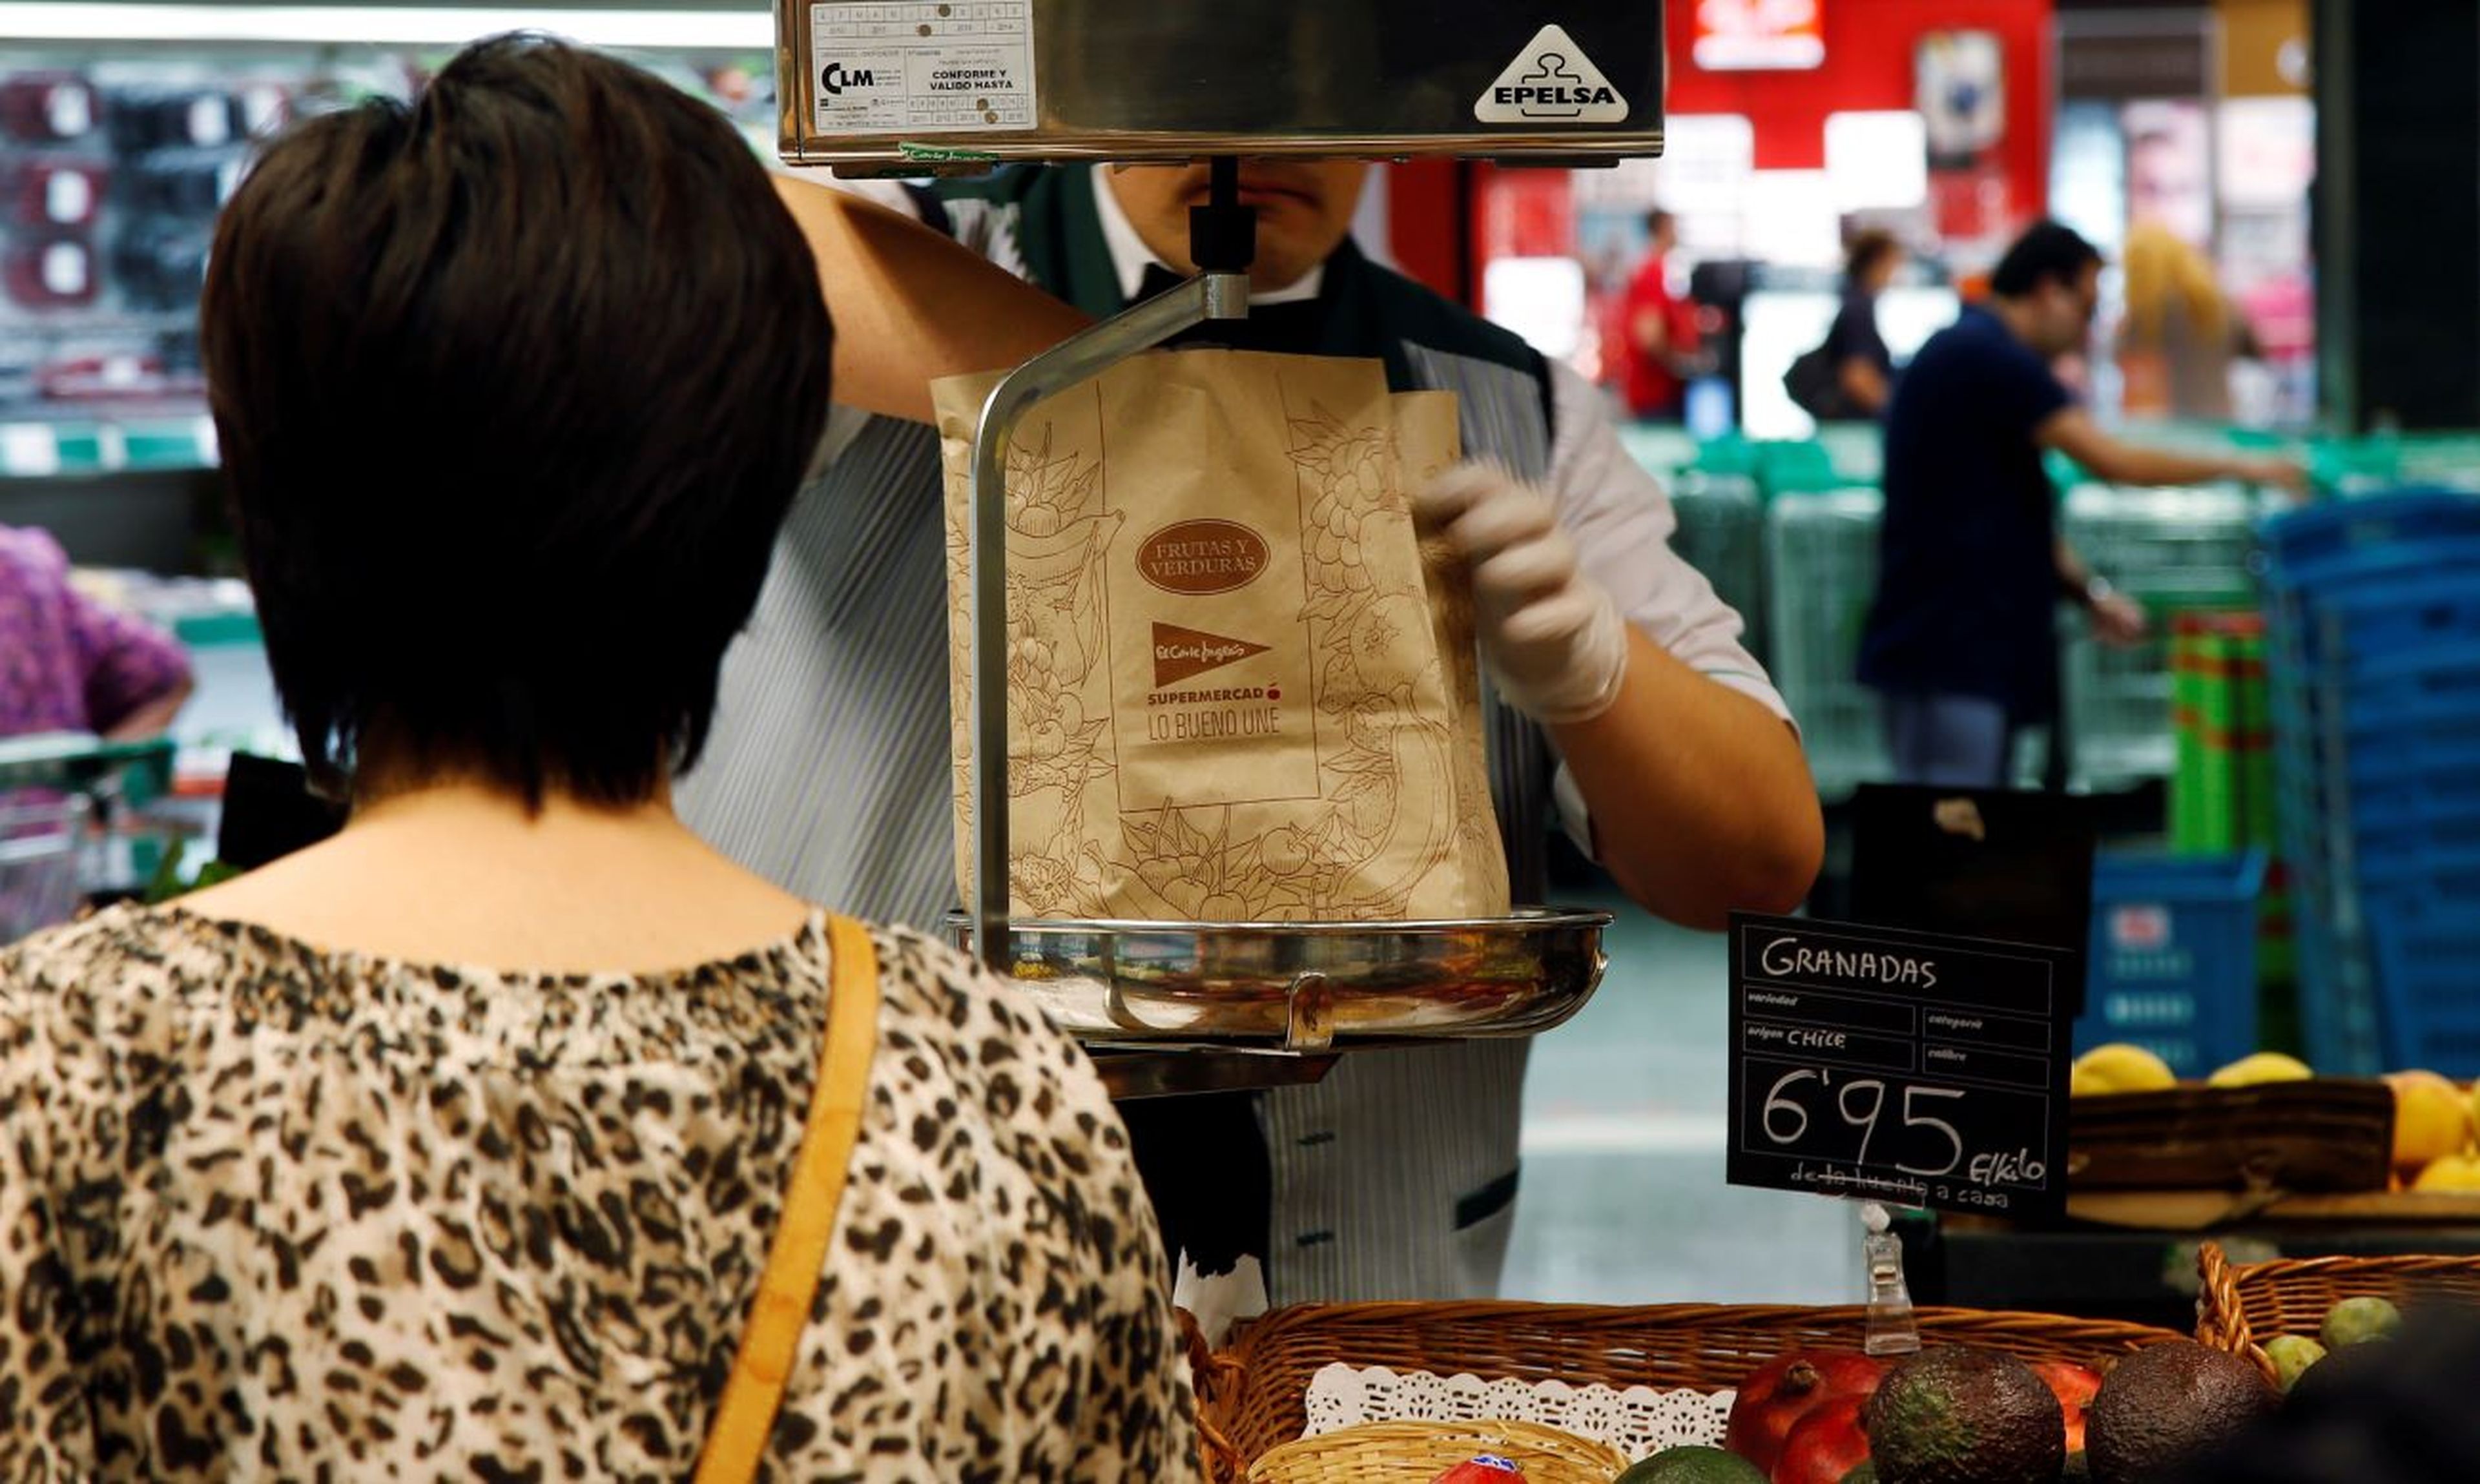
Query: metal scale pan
x=913 y=87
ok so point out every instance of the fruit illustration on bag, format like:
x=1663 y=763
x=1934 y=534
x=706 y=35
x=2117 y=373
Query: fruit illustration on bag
x=1058 y=532
x=1376 y=661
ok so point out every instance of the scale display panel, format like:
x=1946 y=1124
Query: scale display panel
x=907 y=85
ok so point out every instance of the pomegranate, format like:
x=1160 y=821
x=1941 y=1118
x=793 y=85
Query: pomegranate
x=2075 y=1386
x=1777 y=1395
x=1827 y=1443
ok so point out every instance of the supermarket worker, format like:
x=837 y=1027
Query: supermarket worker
x=1668 y=755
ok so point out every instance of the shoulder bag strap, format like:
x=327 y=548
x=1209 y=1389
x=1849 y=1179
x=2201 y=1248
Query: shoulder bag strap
x=770 y=1341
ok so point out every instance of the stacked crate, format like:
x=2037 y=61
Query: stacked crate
x=2222 y=793
x=2375 y=681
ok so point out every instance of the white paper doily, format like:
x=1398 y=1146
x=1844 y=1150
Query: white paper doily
x=1637 y=1422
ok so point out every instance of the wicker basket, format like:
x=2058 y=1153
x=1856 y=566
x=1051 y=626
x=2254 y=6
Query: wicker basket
x=1418 y=1452
x=1254 y=1391
x=2243 y=1305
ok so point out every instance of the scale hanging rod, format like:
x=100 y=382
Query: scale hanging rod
x=1222 y=233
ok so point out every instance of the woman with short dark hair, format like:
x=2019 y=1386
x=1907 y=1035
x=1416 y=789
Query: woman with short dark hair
x=458 y=1146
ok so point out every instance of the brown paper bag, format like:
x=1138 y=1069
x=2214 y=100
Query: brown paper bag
x=1234 y=692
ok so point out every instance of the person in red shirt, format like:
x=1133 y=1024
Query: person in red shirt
x=1660 y=329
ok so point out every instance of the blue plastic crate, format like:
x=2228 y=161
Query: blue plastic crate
x=2315 y=542
x=2388 y=831
x=2427 y=950
x=2173 y=955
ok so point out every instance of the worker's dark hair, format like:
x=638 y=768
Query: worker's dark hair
x=1655 y=219
x=2046 y=249
x=1867 y=247
x=514 y=385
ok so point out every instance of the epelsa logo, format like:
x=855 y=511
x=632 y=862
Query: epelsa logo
x=1198 y=557
x=1551 y=81
x=1181 y=652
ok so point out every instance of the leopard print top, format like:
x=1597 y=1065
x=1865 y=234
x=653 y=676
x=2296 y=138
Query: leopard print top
x=277 y=1213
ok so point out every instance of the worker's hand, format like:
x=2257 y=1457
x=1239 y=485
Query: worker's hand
x=2277 y=473
x=1554 y=639
x=2119 y=620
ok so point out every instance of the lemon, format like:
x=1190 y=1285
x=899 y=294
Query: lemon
x=2432 y=1118
x=2454 y=1172
x=2264 y=1067
x=2119 y=1067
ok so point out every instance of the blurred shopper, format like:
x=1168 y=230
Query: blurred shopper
x=1661 y=348
x=1864 y=368
x=1850 y=377
x=2180 y=336
x=290 y=1198
x=69 y=663
x=1961 y=640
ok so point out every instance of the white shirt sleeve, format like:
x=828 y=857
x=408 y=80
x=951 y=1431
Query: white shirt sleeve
x=1622 y=521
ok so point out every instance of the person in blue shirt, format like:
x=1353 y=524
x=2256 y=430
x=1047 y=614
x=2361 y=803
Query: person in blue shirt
x=1960 y=641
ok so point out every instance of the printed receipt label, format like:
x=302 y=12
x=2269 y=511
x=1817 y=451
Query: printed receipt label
x=923 y=67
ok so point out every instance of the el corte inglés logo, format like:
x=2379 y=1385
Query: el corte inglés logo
x=1198 y=557
x=1181 y=652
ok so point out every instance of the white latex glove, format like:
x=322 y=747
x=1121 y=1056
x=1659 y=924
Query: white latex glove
x=1553 y=637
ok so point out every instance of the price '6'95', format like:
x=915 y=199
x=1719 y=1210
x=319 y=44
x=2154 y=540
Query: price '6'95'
x=1924 y=1145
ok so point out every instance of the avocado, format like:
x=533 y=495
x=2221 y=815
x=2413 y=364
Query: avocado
x=1865 y=1473
x=2166 y=1404
x=1963 y=1415
x=2078 y=1469
x=1692 y=1465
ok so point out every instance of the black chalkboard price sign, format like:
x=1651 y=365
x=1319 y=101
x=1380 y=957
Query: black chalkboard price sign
x=1907 y=1067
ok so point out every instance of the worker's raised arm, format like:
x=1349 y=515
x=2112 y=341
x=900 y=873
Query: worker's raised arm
x=911 y=306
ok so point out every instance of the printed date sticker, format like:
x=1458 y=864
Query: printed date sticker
x=1911 y=1068
x=922 y=66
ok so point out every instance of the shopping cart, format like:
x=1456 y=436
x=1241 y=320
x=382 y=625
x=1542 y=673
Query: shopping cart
x=2175 y=551
x=43 y=861
x=1823 y=550
x=77 y=823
